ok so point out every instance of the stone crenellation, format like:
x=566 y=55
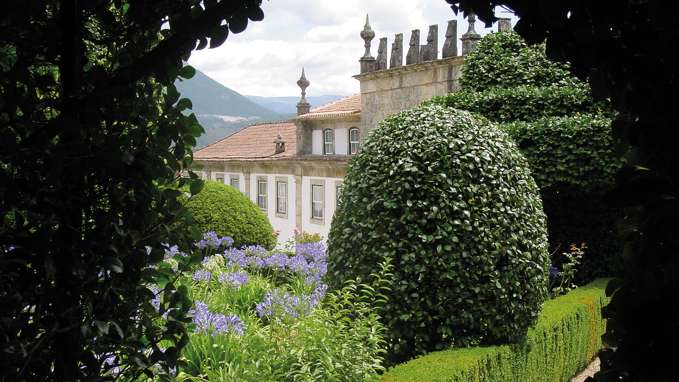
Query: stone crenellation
x=421 y=53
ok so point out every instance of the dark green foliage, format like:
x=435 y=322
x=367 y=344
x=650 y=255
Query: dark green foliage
x=228 y=212
x=505 y=60
x=628 y=50
x=570 y=153
x=564 y=340
x=449 y=198
x=523 y=103
x=563 y=132
x=93 y=138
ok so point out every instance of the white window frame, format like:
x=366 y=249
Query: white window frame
x=354 y=145
x=218 y=175
x=317 y=184
x=262 y=196
x=328 y=144
x=282 y=198
x=234 y=181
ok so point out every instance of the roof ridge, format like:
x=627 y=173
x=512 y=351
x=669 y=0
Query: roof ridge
x=333 y=102
x=243 y=129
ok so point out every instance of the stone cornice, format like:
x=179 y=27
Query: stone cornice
x=422 y=66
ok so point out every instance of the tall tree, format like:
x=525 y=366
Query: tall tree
x=627 y=51
x=94 y=138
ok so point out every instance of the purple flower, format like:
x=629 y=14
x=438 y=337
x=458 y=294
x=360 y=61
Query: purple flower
x=235 y=279
x=208 y=322
x=202 y=275
x=214 y=241
x=553 y=272
x=173 y=251
x=155 y=301
x=279 y=303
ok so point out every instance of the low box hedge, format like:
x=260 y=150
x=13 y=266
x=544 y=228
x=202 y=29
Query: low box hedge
x=565 y=339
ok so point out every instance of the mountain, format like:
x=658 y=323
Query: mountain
x=220 y=110
x=288 y=105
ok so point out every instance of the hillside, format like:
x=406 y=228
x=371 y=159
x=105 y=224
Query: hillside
x=288 y=105
x=221 y=110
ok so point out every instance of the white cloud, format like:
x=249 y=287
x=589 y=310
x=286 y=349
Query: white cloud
x=321 y=35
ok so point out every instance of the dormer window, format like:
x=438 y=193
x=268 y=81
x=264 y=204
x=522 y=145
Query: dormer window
x=354 y=140
x=328 y=142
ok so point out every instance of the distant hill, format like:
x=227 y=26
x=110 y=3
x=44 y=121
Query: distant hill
x=288 y=105
x=221 y=110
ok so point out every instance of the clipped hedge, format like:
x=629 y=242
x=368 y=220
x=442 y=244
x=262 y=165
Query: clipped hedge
x=225 y=210
x=522 y=103
x=505 y=60
x=448 y=197
x=568 y=152
x=565 y=339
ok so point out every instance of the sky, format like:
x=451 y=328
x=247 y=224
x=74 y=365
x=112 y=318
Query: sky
x=323 y=36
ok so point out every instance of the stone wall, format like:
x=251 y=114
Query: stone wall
x=390 y=91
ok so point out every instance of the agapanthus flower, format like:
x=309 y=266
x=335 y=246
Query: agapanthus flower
x=215 y=323
x=172 y=251
x=214 y=241
x=280 y=303
x=202 y=275
x=155 y=301
x=553 y=272
x=235 y=279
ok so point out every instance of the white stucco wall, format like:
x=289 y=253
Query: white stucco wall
x=341 y=141
x=284 y=225
x=308 y=224
x=241 y=180
x=317 y=142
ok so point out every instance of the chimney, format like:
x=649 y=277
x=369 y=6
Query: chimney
x=397 y=51
x=471 y=38
x=450 y=45
x=303 y=106
x=413 y=56
x=382 y=54
x=367 y=61
x=280 y=143
x=504 y=25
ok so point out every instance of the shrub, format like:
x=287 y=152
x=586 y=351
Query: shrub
x=565 y=339
x=449 y=197
x=226 y=211
x=565 y=135
x=505 y=60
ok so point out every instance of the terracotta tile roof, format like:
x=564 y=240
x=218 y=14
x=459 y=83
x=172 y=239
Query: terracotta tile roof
x=346 y=106
x=252 y=142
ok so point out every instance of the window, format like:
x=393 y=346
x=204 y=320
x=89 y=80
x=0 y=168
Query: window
x=281 y=197
x=328 y=142
x=234 y=181
x=261 y=193
x=354 y=140
x=338 y=193
x=219 y=177
x=317 y=201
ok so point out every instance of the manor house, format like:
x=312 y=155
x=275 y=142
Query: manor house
x=293 y=170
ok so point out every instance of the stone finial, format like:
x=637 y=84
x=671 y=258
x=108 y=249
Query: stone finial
x=504 y=25
x=303 y=106
x=367 y=61
x=279 y=144
x=450 y=45
x=413 y=56
x=382 y=54
x=471 y=38
x=397 y=51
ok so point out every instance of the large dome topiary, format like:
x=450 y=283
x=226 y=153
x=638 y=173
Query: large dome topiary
x=225 y=210
x=449 y=198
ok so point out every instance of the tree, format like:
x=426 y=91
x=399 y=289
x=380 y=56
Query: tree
x=94 y=139
x=627 y=51
x=564 y=134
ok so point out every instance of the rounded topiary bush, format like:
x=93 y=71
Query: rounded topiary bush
x=449 y=198
x=225 y=210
